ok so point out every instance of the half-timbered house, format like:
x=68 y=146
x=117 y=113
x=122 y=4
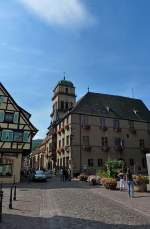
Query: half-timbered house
x=16 y=133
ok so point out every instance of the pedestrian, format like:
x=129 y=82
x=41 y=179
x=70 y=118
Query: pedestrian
x=130 y=183
x=121 y=180
x=69 y=174
x=61 y=174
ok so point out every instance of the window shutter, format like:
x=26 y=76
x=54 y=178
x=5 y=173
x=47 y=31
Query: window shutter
x=26 y=135
x=1 y=116
x=16 y=117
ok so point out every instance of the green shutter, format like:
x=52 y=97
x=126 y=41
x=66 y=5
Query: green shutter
x=16 y=117
x=7 y=135
x=1 y=116
x=26 y=135
x=1 y=99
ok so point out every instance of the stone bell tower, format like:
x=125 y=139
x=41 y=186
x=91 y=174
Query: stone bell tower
x=63 y=99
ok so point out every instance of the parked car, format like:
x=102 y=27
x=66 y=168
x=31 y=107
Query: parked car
x=49 y=173
x=39 y=175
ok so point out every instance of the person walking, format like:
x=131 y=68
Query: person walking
x=121 y=180
x=130 y=183
x=61 y=174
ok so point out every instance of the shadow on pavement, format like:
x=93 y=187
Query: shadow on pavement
x=59 y=222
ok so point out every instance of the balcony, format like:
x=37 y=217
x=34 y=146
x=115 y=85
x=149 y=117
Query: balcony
x=62 y=130
x=59 y=132
x=67 y=126
x=59 y=151
x=67 y=148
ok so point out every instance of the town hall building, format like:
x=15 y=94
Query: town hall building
x=96 y=128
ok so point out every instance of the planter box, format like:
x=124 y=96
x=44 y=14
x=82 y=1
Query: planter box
x=140 y=188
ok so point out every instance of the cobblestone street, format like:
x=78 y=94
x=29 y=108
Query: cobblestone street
x=74 y=205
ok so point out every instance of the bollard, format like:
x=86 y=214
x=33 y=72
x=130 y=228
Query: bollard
x=10 y=199
x=1 y=199
x=14 y=198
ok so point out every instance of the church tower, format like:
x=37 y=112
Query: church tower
x=63 y=99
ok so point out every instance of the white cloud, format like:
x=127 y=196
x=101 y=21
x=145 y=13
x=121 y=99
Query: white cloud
x=60 y=12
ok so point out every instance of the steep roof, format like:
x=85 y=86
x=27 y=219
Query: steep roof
x=112 y=106
x=25 y=114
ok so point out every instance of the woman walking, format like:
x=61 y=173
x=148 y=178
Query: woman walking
x=130 y=183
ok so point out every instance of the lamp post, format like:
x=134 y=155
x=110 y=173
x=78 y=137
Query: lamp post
x=1 y=199
x=10 y=199
x=14 y=198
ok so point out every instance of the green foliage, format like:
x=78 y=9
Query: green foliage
x=112 y=168
x=36 y=143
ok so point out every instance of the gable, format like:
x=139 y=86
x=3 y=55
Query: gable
x=16 y=130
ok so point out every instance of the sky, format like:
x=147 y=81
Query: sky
x=100 y=44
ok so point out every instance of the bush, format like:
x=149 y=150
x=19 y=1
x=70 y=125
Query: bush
x=109 y=183
x=94 y=180
x=139 y=180
x=83 y=177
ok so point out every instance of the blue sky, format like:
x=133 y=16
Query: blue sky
x=103 y=44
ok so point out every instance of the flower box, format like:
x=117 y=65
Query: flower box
x=62 y=129
x=109 y=183
x=67 y=126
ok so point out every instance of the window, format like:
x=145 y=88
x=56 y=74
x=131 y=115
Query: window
x=84 y=120
x=116 y=124
x=7 y=135
x=131 y=124
x=59 y=143
x=117 y=141
x=86 y=140
x=104 y=141
x=63 y=142
x=144 y=163
x=66 y=107
x=18 y=136
x=141 y=143
x=5 y=170
x=102 y=122
x=67 y=140
x=67 y=120
x=90 y=162
x=9 y=117
x=66 y=90
x=100 y=162
x=62 y=105
x=131 y=162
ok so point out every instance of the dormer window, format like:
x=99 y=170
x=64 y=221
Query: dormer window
x=108 y=108
x=135 y=111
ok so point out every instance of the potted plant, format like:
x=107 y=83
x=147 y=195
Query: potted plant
x=140 y=183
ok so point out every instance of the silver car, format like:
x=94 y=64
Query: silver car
x=39 y=175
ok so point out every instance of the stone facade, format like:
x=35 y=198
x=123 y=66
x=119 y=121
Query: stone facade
x=95 y=129
x=91 y=145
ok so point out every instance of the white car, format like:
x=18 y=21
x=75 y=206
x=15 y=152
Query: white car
x=39 y=175
x=49 y=173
